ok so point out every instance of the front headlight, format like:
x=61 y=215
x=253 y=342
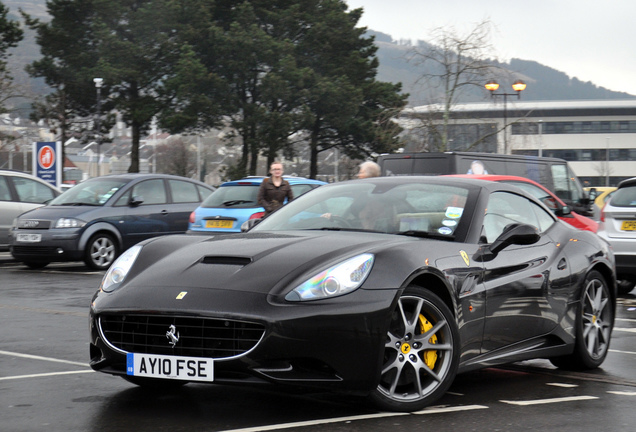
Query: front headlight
x=119 y=269
x=69 y=223
x=338 y=280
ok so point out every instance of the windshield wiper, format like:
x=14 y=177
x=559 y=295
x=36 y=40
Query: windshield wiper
x=425 y=234
x=235 y=202
x=346 y=229
x=80 y=204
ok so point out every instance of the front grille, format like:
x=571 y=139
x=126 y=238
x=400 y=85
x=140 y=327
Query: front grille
x=34 y=250
x=198 y=337
x=33 y=224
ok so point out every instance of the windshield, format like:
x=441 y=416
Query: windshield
x=421 y=209
x=94 y=192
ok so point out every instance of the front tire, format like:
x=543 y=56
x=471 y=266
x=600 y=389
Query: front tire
x=594 y=323
x=101 y=251
x=421 y=353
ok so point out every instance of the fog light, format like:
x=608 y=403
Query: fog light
x=59 y=251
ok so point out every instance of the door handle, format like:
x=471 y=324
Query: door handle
x=164 y=212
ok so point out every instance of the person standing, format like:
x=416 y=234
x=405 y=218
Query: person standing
x=274 y=190
x=368 y=169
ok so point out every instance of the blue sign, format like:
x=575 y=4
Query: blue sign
x=47 y=162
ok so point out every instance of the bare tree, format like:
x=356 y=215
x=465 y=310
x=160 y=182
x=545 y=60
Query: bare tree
x=454 y=65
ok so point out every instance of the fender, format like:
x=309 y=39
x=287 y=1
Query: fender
x=100 y=226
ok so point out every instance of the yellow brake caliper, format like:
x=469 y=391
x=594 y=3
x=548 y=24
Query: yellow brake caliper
x=430 y=356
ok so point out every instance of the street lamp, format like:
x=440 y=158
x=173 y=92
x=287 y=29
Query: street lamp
x=518 y=87
x=98 y=85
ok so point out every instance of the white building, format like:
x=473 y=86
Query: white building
x=597 y=137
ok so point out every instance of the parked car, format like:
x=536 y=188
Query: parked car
x=235 y=202
x=386 y=286
x=553 y=202
x=618 y=226
x=20 y=192
x=100 y=218
x=598 y=195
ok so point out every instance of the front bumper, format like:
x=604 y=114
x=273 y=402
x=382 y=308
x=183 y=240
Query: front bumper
x=336 y=344
x=55 y=245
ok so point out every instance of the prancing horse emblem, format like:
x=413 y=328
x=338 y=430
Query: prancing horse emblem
x=173 y=335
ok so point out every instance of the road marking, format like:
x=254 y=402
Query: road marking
x=34 y=357
x=626 y=319
x=437 y=410
x=622 y=329
x=562 y=385
x=622 y=352
x=623 y=393
x=432 y=410
x=549 y=401
x=44 y=375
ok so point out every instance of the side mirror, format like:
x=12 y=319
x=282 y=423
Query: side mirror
x=249 y=224
x=136 y=200
x=592 y=194
x=513 y=234
x=564 y=211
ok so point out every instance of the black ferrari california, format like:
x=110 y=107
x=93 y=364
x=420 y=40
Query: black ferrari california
x=385 y=287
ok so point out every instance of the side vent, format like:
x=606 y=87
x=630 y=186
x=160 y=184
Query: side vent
x=226 y=260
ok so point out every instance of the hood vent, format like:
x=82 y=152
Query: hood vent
x=226 y=260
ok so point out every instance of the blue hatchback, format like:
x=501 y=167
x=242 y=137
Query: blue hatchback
x=235 y=202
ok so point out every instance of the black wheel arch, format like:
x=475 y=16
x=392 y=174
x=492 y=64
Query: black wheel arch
x=434 y=281
x=609 y=277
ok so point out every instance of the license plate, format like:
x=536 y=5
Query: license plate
x=29 y=238
x=218 y=224
x=628 y=226
x=170 y=367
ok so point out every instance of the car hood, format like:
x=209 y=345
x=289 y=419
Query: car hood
x=53 y=213
x=255 y=262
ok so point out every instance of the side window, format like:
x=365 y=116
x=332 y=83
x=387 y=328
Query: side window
x=566 y=185
x=544 y=219
x=183 y=192
x=506 y=208
x=203 y=192
x=32 y=191
x=152 y=192
x=5 y=194
x=300 y=189
x=123 y=200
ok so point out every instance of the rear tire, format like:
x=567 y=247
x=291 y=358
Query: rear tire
x=625 y=286
x=594 y=323
x=421 y=353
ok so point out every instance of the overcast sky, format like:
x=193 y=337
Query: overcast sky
x=591 y=40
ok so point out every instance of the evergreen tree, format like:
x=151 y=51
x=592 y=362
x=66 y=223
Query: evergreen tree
x=131 y=44
x=10 y=35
